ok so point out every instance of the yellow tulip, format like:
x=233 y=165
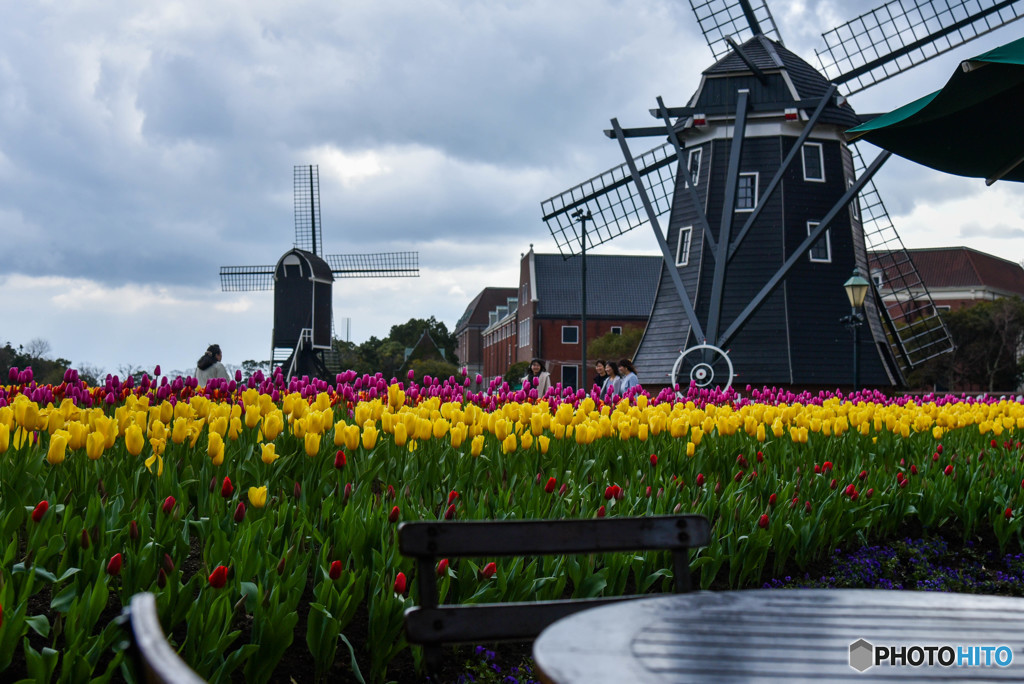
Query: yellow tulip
x=440 y=428
x=160 y=464
x=5 y=437
x=179 y=431
x=258 y=496
x=215 y=448
x=219 y=425
x=508 y=445
x=94 y=445
x=351 y=437
x=525 y=440
x=134 y=439
x=369 y=437
x=252 y=415
x=690 y=448
x=58 y=445
x=458 y=435
x=311 y=441
x=760 y=432
x=400 y=434
x=235 y=428
x=269 y=453
x=696 y=435
x=477 y=446
x=543 y=442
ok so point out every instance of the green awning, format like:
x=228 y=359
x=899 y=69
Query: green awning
x=973 y=127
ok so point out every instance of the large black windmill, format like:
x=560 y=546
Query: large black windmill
x=302 y=282
x=770 y=210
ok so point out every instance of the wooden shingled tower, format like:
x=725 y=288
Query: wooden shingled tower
x=762 y=210
x=302 y=281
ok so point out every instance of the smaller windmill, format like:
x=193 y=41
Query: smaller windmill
x=302 y=281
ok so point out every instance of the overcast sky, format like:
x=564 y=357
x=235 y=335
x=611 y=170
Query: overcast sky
x=144 y=145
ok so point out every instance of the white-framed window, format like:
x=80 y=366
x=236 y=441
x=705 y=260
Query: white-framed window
x=746 y=192
x=693 y=164
x=683 y=246
x=821 y=250
x=854 y=203
x=814 y=162
x=524 y=332
x=942 y=308
x=616 y=330
x=570 y=334
x=877 y=276
x=570 y=376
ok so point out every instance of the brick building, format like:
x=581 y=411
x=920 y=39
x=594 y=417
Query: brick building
x=545 y=320
x=469 y=329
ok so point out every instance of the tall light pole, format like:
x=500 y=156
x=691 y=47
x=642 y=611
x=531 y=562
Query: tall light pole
x=582 y=219
x=856 y=290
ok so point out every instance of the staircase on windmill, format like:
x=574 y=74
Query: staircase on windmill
x=768 y=209
x=302 y=281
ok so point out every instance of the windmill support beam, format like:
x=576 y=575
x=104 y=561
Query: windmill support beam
x=801 y=250
x=766 y=195
x=748 y=12
x=666 y=253
x=756 y=107
x=760 y=75
x=687 y=181
x=731 y=183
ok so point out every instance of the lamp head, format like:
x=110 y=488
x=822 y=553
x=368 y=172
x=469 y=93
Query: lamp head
x=856 y=289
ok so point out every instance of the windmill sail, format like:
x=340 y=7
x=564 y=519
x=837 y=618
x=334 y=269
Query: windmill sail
x=246 y=278
x=613 y=201
x=307 y=209
x=381 y=264
x=914 y=329
x=903 y=33
x=737 y=19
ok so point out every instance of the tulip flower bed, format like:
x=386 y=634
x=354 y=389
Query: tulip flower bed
x=263 y=515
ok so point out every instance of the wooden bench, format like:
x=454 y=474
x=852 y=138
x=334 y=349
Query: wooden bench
x=431 y=625
x=155 y=660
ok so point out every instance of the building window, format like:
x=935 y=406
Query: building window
x=693 y=164
x=814 y=163
x=876 y=278
x=570 y=376
x=524 y=332
x=746 y=192
x=570 y=334
x=854 y=205
x=616 y=330
x=821 y=251
x=683 y=247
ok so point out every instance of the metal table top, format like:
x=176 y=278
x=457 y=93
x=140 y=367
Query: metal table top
x=788 y=635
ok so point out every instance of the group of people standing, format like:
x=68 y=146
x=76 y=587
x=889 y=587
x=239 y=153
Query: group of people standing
x=615 y=377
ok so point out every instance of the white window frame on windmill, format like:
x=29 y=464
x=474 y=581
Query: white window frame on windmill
x=693 y=165
x=739 y=186
x=854 y=203
x=827 y=258
x=683 y=246
x=811 y=174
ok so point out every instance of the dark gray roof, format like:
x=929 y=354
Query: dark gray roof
x=485 y=301
x=617 y=286
x=767 y=55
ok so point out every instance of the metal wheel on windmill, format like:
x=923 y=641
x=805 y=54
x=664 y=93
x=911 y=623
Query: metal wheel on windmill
x=302 y=281
x=762 y=210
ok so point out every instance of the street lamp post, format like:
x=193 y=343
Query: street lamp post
x=582 y=217
x=856 y=290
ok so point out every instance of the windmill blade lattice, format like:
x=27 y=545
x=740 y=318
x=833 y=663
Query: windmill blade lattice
x=915 y=332
x=377 y=265
x=613 y=201
x=246 y=278
x=307 y=209
x=735 y=19
x=902 y=33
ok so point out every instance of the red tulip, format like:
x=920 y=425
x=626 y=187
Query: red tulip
x=738 y=476
x=442 y=567
x=85 y=539
x=452 y=496
x=489 y=570
x=393 y=516
x=718 y=488
x=339 y=460
x=647 y=492
x=935 y=456
x=297 y=490
x=240 y=512
x=654 y=459
x=281 y=564
x=948 y=470
x=391 y=492
x=400 y=583
x=219 y=577
x=700 y=479
x=335 y=571
x=771 y=500
x=1008 y=513
x=863 y=474
x=450 y=513
x=600 y=512
x=551 y=484
x=114 y=565
x=168 y=562
x=763 y=522
x=794 y=501
x=938 y=448
x=161 y=579
x=760 y=457
x=168 y=505
x=903 y=483
x=869 y=493
x=133 y=530
x=348 y=490
x=226 y=488
x=827 y=465
x=807 y=506
x=563 y=489
x=40 y=510
x=850 y=489
x=995 y=444
x=741 y=461
x=833 y=484
x=913 y=470
x=817 y=468
x=609 y=492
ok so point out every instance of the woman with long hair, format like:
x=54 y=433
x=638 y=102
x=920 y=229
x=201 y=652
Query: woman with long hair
x=209 y=366
x=537 y=378
x=612 y=381
x=628 y=373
